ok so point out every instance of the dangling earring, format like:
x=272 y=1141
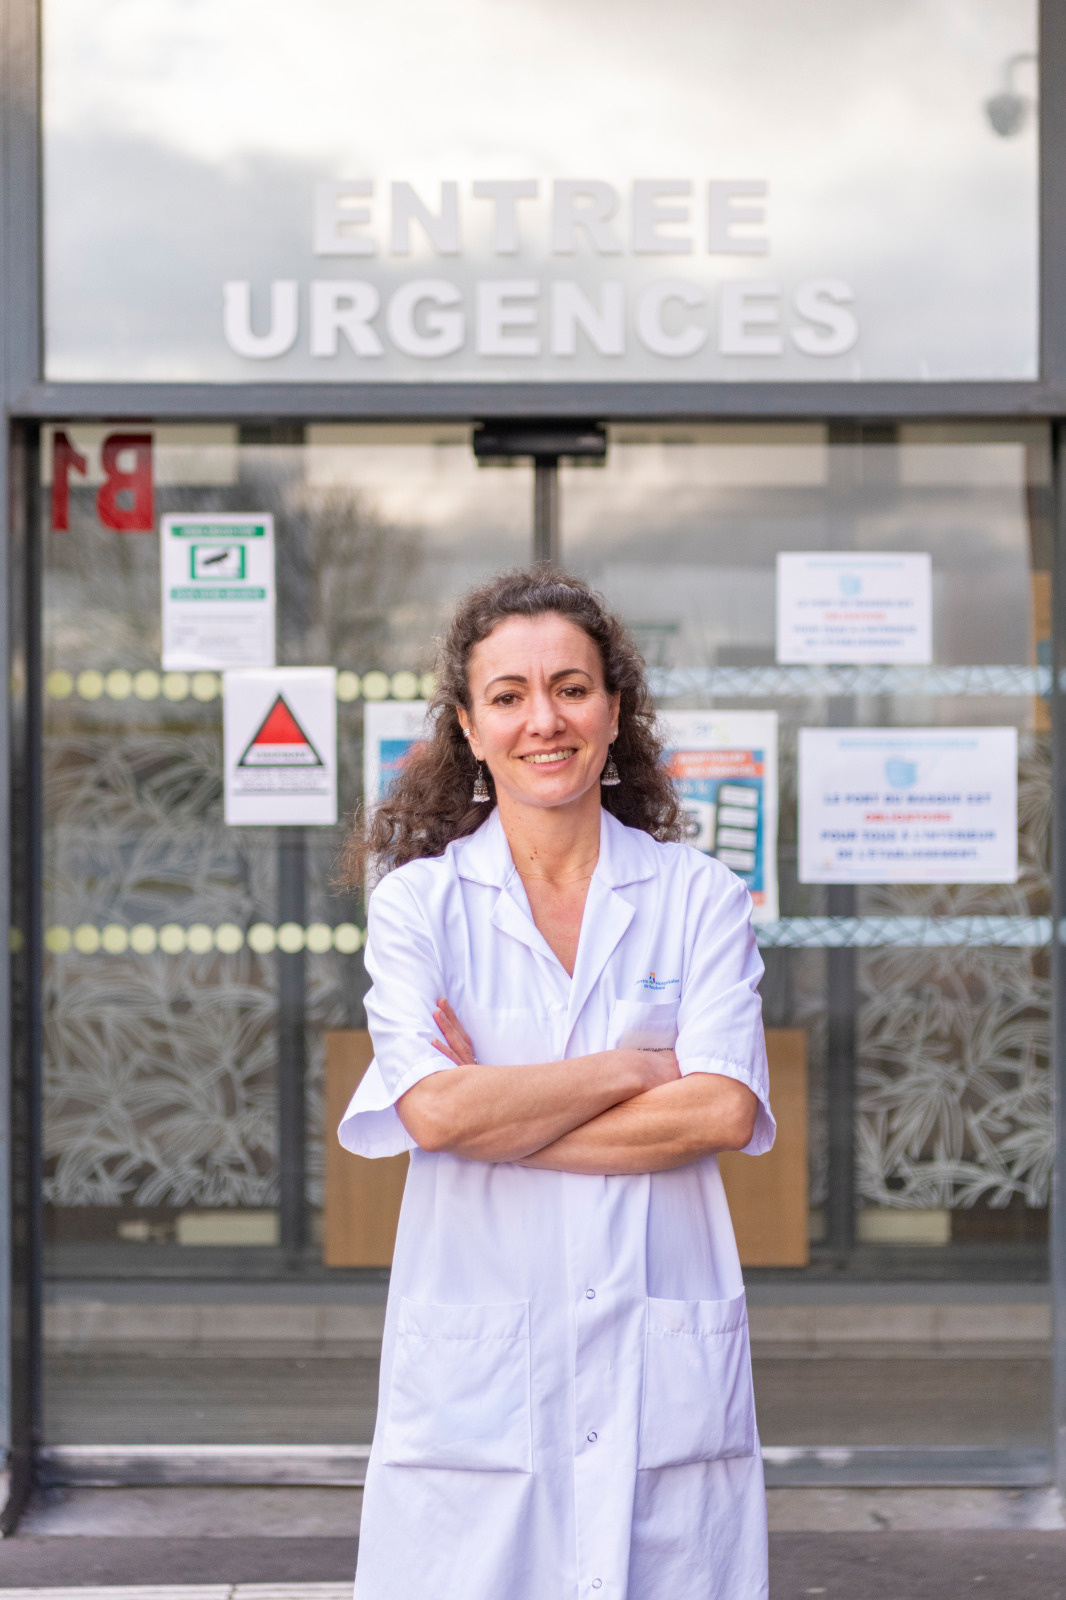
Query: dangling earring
x=609 y=776
x=481 y=796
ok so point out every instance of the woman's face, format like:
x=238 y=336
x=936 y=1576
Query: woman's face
x=541 y=718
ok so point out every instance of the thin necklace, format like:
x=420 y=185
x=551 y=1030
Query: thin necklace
x=546 y=877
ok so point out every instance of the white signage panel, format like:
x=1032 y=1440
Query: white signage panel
x=754 y=222
x=859 y=608
x=218 y=590
x=390 y=730
x=724 y=766
x=908 y=805
x=280 y=747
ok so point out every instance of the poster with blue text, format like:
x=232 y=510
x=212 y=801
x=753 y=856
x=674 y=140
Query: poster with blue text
x=908 y=805
x=724 y=765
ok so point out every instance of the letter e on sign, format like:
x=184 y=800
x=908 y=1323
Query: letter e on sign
x=65 y=459
x=134 y=512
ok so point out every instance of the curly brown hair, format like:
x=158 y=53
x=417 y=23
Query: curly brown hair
x=429 y=803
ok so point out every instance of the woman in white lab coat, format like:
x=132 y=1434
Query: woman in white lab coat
x=567 y=1029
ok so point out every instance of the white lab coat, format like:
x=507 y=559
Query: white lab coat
x=566 y=1403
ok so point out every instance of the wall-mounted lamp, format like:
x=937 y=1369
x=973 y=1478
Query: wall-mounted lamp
x=1008 y=110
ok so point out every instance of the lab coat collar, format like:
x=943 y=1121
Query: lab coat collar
x=627 y=855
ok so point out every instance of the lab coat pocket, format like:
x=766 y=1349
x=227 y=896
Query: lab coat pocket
x=459 y=1395
x=642 y=1025
x=698 y=1398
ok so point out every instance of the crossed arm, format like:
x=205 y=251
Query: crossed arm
x=617 y=1111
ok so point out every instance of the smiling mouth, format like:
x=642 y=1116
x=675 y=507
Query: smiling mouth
x=549 y=758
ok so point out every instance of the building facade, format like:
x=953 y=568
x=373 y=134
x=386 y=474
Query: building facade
x=755 y=316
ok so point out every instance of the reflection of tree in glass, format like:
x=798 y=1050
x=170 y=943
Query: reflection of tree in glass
x=344 y=573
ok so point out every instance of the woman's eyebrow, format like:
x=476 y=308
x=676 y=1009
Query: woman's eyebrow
x=506 y=677
x=516 y=677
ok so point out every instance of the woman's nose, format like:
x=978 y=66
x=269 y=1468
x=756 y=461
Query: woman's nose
x=544 y=714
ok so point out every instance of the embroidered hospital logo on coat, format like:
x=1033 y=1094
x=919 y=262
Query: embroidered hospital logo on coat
x=657 y=985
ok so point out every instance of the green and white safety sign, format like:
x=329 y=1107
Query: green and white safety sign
x=218 y=590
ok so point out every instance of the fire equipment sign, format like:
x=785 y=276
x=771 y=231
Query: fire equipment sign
x=281 y=747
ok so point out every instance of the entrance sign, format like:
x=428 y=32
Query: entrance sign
x=438 y=228
x=218 y=590
x=908 y=805
x=280 y=742
x=724 y=765
x=391 y=728
x=867 y=608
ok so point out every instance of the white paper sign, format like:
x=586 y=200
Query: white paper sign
x=280 y=740
x=908 y=805
x=868 y=608
x=218 y=590
x=724 y=764
x=390 y=729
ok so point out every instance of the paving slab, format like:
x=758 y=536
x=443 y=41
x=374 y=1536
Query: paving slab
x=918 y=1566
x=841 y=1566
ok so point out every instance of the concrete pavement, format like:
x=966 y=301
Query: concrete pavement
x=839 y=1544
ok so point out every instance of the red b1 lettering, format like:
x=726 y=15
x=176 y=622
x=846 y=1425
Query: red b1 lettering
x=65 y=459
x=137 y=515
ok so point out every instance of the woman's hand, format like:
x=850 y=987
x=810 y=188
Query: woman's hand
x=457 y=1046
x=657 y=1067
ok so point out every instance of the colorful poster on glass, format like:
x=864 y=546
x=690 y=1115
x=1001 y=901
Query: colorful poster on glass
x=908 y=805
x=724 y=764
x=280 y=747
x=390 y=729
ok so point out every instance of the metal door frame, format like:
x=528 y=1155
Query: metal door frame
x=28 y=399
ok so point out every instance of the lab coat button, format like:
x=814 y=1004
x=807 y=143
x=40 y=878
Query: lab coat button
x=597 y=1583
x=592 y=1437
x=590 y=1294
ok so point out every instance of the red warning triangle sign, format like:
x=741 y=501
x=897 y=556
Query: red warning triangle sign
x=280 y=741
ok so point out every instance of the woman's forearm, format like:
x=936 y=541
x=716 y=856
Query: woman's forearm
x=669 y=1126
x=488 y=1113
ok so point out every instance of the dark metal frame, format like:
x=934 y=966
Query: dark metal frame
x=28 y=398
x=1053 y=355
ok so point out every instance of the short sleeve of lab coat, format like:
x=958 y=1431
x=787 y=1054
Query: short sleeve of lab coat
x=720 y=1015
x=405 y=969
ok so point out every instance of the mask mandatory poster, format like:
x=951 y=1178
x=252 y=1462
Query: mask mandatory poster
x=724 y=765
x=908 y=805
x=861 y=608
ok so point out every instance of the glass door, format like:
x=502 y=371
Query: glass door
x=197 y=975
x=908 y=1014
x=202 y=992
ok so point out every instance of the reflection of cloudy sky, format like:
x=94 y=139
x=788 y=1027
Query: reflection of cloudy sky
x=183 y=139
